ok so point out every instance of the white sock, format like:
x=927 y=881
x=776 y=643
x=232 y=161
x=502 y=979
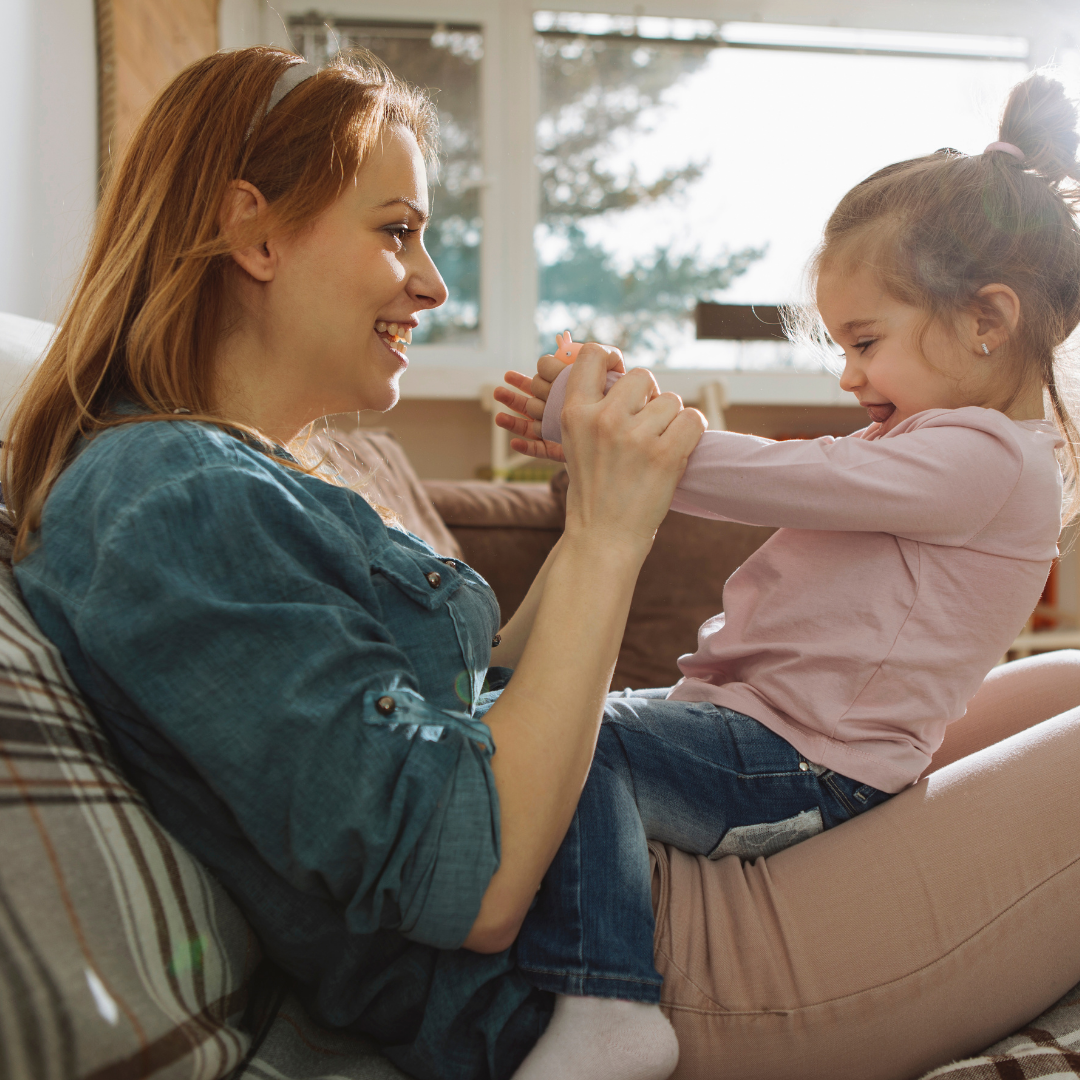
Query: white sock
x=591 y=1038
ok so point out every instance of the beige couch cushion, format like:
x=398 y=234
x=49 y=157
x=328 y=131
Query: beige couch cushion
x=371 y=461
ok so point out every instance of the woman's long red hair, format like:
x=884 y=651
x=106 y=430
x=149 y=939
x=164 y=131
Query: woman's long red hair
x=147 y=313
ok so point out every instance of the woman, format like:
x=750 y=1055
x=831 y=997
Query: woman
x=296 y=687
x=299 y=690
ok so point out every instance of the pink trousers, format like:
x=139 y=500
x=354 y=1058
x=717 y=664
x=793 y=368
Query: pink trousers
x=913 y=935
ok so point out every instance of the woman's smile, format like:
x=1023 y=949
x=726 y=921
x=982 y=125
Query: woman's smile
x=394 y=345
x=396 y=336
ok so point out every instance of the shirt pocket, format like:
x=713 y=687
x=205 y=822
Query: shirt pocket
x=423 y=578
x=475 y=614
x=452 y=668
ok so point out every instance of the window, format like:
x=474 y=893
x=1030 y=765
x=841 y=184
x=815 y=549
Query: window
x=683 y=160
x=444 y=58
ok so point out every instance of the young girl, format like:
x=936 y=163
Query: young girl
x=908 y=557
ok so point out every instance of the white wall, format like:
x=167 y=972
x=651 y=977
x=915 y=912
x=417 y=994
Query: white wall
x=48 y=150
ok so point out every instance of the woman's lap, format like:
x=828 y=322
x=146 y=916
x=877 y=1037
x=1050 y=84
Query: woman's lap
x=918 y=933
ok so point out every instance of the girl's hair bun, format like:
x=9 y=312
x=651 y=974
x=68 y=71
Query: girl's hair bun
x=1041 y=121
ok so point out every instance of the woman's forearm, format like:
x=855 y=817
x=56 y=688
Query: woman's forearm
x=626 y=452
x=514 y=635
x=546 y=721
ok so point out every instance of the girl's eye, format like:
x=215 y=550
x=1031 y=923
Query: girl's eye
x=862 y=346
x=400 y=232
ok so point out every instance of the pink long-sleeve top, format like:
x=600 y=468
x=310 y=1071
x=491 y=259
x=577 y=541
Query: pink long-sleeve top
x=904 y=565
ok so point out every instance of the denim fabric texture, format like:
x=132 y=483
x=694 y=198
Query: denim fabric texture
x=691 y=774
x=297 y=690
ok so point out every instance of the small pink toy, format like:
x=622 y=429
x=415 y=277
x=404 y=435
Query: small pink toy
x=565 y=348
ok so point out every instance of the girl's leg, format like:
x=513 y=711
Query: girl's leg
x=703 y=778
x=693 y=775
x=589 y=939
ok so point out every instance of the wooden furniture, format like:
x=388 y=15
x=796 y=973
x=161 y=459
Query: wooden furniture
x=142 y=44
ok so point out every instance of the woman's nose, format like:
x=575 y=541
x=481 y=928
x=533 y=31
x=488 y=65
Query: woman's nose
x=426 y=285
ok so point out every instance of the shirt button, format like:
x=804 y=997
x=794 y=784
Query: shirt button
x=496 y=640
x=386 y=705
x=803 y=767
x=449 y=562
x=434 y=579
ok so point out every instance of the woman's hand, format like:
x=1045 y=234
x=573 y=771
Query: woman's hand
x=615 y=472
x=626 y=450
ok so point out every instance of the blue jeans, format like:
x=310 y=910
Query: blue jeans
x=691 y=774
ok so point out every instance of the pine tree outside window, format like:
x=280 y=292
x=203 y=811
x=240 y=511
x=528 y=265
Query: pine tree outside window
x=683 y=160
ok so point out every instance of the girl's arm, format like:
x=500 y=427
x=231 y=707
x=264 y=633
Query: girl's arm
x=627 y=451
x=940 y=482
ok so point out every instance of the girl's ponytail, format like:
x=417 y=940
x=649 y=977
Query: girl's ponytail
x=1041 y=121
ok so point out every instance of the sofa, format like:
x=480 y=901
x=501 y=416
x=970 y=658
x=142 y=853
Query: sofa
x=121 y=958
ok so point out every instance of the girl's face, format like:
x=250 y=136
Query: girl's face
x=893 y=374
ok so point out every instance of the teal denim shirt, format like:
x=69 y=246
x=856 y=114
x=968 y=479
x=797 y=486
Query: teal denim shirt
x=297 y=690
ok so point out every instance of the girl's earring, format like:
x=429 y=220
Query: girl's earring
x=985 y=350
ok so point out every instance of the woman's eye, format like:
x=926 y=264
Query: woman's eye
x=400 y=232
x=862 y=346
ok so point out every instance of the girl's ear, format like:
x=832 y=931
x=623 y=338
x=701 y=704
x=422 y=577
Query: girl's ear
x=995 y=319
x=243 y=206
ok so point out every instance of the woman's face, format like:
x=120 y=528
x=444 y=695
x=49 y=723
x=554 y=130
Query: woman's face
x=361 y=263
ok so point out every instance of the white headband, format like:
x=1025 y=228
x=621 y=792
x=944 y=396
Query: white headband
x=287 y=81
x=1006 y=148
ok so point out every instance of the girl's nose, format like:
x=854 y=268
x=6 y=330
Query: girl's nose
x=852 y=377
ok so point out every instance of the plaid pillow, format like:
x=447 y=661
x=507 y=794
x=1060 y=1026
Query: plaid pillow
x=120 y=957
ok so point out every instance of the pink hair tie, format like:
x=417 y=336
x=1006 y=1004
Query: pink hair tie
x=1006 y=148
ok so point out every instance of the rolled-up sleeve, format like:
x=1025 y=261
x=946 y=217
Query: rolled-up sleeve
x=245 y=628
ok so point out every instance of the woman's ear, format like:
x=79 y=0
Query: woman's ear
x=242 y=207
x=995 y=320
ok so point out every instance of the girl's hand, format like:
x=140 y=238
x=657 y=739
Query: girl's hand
x=530 y=406
x=530 y=409
x=526 y=426
x=626 y=451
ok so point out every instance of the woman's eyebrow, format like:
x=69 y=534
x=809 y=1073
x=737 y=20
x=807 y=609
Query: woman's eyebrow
x=415 y=207
x=859 y=324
